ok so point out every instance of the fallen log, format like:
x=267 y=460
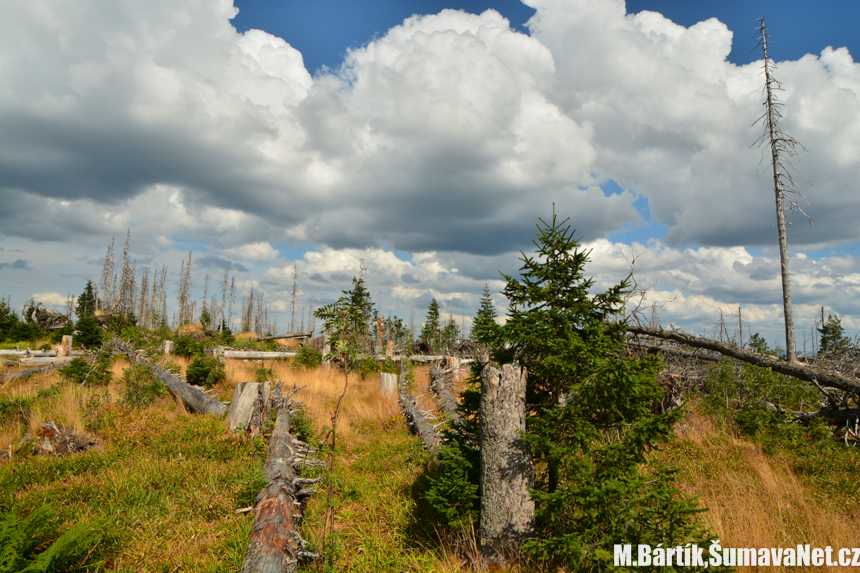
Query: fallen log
x=284 y=337
x=443 y=377
x=24 y=374
x=256 y=355
x=275 y=545
x=41 y=361
x=808 y=373
x=193 y=397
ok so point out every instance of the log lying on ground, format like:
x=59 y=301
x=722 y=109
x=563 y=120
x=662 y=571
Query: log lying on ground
x=444 y=376
x=41 y=361
x=275 y=545
x=256 y=355
x=284 y=336
x=193 y=397
x=815 y=375
x=24 y=374
x=507 y=473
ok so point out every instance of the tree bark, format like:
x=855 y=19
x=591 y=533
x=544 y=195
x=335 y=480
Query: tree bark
x=444 y=376
x=795 y=369
x=417 y=421
x=256 y=354
x=507 y=472
x=275 y=545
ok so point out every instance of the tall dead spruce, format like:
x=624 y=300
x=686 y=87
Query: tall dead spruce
x=782 y=147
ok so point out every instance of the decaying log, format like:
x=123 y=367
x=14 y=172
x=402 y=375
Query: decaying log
x=24 y=374
x=417 y=421
x=193 y=397
x=808 y=373
x=299 y=335
x=507 y=473
x=275 y=545
x=444 y=376
x=248 y=408
x=41 y=361
x=256 y=354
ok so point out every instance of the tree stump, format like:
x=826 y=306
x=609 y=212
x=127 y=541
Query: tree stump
x=388 y=383
x=248 y=408
x=507 y=473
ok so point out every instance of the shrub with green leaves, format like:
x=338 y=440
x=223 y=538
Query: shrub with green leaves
x=205 y=371
x=307 y=358
x=142 y=386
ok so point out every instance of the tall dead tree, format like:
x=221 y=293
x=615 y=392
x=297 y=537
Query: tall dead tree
x=781 y=147
x=293 y=299
x=507 y=472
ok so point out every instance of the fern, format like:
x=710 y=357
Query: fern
x=21 y=538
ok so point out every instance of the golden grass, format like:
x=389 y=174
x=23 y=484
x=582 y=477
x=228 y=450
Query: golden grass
x=755 y=500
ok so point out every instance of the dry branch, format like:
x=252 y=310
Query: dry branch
x=283 y=336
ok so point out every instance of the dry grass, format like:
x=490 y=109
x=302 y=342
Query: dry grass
x=755 y=499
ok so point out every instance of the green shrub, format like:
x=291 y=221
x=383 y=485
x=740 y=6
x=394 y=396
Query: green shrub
x=142 y=386
x=307 y=358
x=93 y=370
x=368 y=365
x=187 y=346
x=263 y=374
x=302 y=426
x=88 y=333
x=205 y=371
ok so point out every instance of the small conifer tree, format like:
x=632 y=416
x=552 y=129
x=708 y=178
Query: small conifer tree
x=833 y=337
x=431 y=331
x=485 y=328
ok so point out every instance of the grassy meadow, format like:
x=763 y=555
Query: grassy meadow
x=162 y=487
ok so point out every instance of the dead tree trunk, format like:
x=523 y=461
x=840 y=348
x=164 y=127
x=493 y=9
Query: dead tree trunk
x=24 y=374
x=275 y=545
x=415 y=418
x=507 y=473
x=444 y=377
x=795 y=369
x=248 y=407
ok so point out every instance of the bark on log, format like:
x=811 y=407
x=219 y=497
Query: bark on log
x=275 y=545
x=795 y=369
x=507 y=473
x=443 y=377
x=24 y=374
x=193 y=397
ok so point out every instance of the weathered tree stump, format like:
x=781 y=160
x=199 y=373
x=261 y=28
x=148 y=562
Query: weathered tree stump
x=507 y=472
x=388 y=383
x=248 y=408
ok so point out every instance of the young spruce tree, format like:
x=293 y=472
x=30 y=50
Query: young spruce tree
x=485 y=328
x=589 y=421
x=432 y=329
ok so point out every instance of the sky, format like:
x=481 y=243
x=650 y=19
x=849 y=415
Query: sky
x=426 y=139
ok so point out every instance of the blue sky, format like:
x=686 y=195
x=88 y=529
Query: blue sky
x=323 y=30
x=427 y=142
